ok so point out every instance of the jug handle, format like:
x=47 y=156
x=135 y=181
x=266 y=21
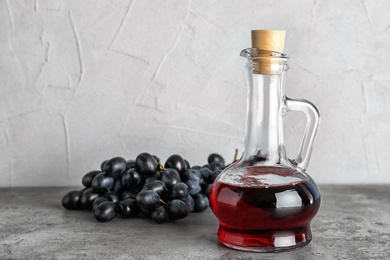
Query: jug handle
x=313 y=121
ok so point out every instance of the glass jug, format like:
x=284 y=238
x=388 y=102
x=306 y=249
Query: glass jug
x=265 y=202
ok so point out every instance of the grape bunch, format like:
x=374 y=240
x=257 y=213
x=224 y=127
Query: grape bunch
x=145 y=187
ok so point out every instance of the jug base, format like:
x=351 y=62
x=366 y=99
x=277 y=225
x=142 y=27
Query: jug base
x=266 y=241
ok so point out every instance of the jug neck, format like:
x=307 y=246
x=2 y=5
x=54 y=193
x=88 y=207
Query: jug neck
x=264 y=142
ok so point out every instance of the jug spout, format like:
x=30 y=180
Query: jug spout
x=265 y=62
x=251 y=53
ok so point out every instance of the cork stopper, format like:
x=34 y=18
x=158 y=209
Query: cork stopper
x=270 y=40
x=267 y=43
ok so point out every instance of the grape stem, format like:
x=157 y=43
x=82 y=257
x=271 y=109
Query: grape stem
x=164 y=203
x=160 y=166
x=235 y=155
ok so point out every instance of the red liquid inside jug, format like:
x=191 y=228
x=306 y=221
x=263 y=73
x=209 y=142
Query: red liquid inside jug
x=259 y=214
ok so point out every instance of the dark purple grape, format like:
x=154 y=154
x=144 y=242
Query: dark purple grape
x=177 y=210
x=102 y=183
x=98 y=201
x=206 y=189
x=176 y=162
x=103 y=165
x=192 y=174
x=130 y=178
x=201 y=202
x=156 y=158
x=153 y=177
x=189 y=201
x=170 y=177
x=196 y=167
x=88 y=178
x=160 y=215
x=193 y=187
x=206 y=172
x=112 y=196
x=187 y=164
x=128 y=208
x=115 y=166
x=105 y=211
x=214 y=175
x=156 y=186
x=129 y=194
x=180 y=190
x=118 y=187
x=148 y=200
x=87 y=198
x=215 y=166
x=71 y=200
x=146 y=164
x=214 y=157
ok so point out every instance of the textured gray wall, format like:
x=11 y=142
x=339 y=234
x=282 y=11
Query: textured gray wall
x=82 y=81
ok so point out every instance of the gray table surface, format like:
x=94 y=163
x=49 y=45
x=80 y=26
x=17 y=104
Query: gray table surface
x=353 y=223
